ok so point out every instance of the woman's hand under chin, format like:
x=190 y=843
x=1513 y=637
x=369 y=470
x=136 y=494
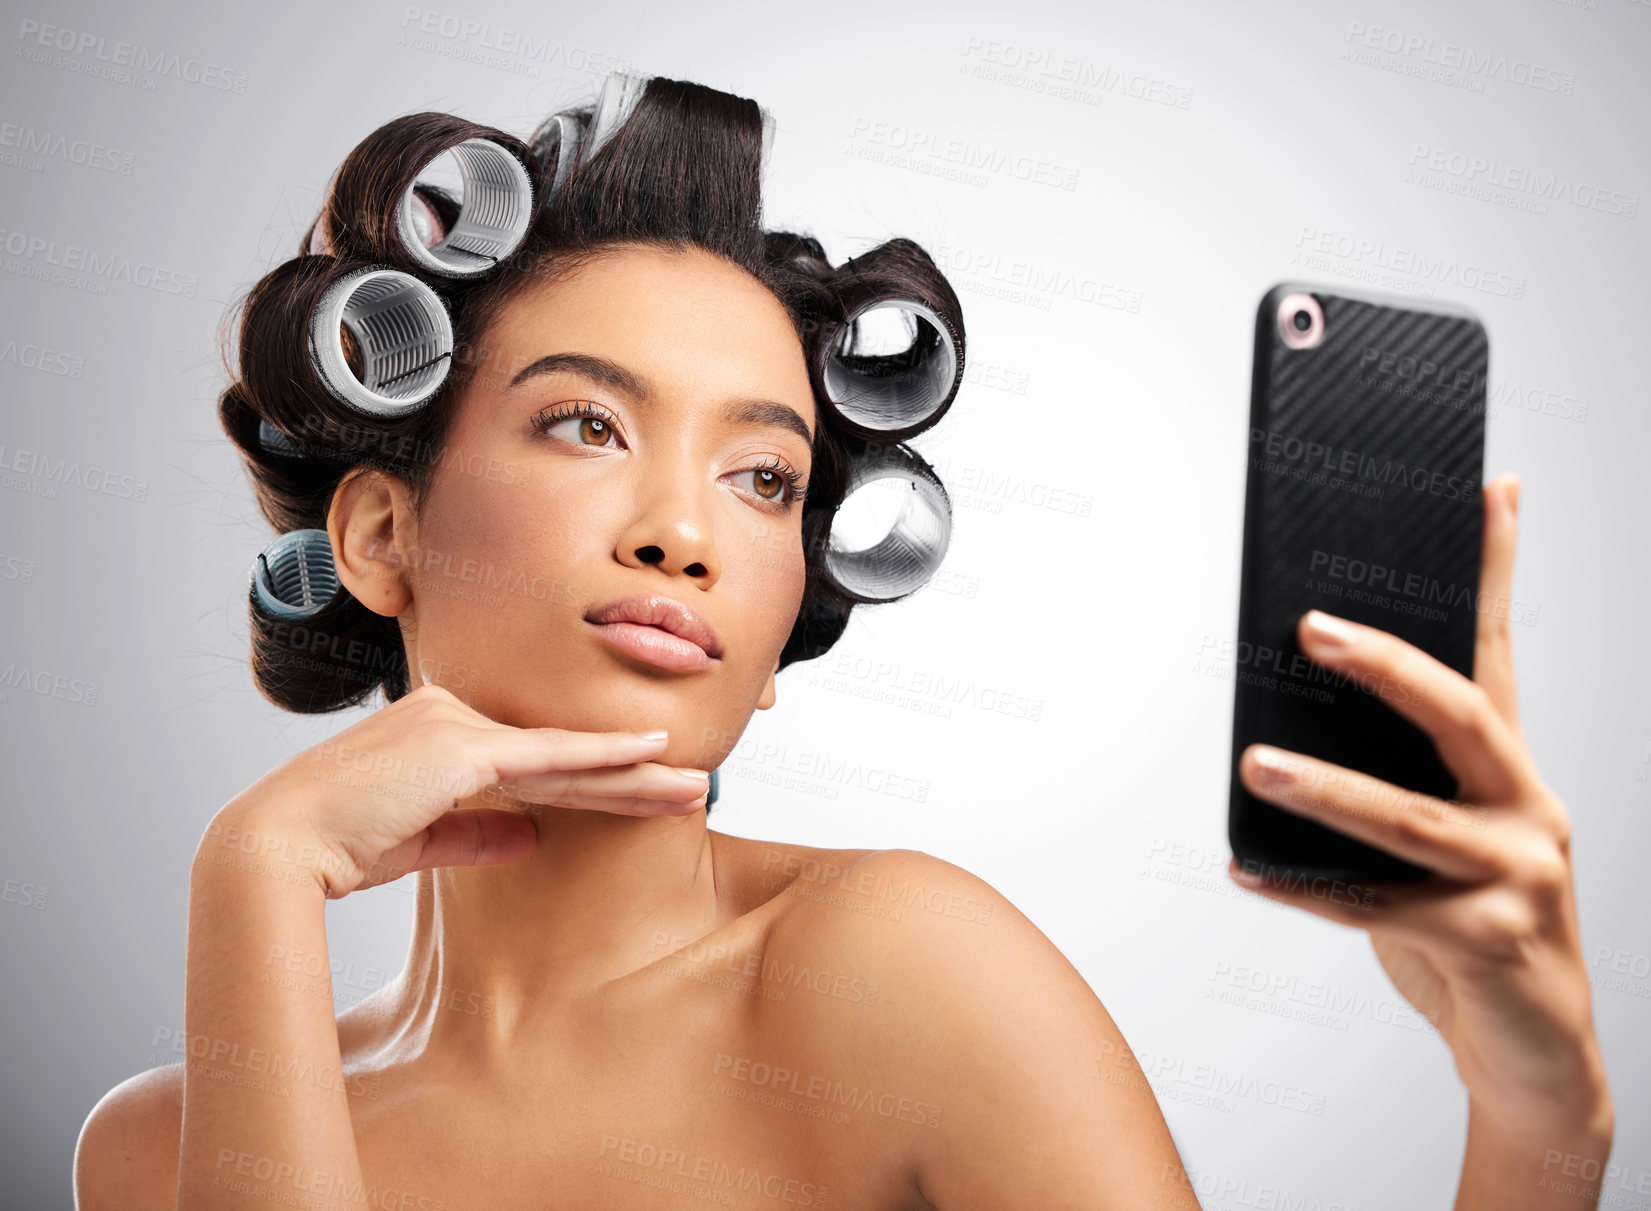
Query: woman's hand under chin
x=1488 y=947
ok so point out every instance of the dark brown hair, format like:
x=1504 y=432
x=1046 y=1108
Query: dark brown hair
x=682 y=171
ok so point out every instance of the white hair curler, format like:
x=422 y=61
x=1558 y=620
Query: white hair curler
x=493 y=215
x=891 y=396
x=405 y=336
x=294 y=576
x=911 y=553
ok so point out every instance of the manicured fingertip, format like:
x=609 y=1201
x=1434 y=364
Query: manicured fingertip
x=1327 y=634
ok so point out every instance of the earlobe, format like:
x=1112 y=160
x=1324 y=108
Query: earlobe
x=768 y=696
x=367 y=550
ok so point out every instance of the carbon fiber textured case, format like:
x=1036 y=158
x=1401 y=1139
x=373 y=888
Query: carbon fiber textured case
x=1363 y=499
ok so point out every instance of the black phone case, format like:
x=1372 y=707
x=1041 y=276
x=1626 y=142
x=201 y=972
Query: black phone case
x=1363 y=499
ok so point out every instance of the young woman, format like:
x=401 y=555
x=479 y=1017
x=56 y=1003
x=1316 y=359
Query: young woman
x=575 y=567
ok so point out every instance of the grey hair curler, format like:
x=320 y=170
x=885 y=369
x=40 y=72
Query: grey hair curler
x=493 y=215
x=294 y=576
x=890 y=397
x=912 y=551
x=404 y=332
x=711 y=795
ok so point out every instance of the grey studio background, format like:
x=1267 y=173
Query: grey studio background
x=1111 y=188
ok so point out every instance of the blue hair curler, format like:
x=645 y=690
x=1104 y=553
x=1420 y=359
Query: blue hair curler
x=294 y=576
x=711 y=795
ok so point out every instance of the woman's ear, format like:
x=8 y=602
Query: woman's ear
x=767 y=700
x=374 y=540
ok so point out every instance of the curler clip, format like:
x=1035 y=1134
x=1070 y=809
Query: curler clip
x=493 y=214
x=559 y=143
x=294 y=576
x=404 y=335
x=891 y=396
x=614 y=106
x=911 y=553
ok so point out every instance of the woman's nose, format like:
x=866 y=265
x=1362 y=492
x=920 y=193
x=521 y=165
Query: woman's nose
x=673 y=528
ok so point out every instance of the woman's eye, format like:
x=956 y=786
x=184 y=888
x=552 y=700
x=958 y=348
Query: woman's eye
x=778 y=484
x=769 y=485
x=582 y=427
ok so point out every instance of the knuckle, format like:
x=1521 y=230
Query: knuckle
x=1556 y=817
x=1415 y=821
x=1501 y=925
x=1475 y=715
x=1545 y=872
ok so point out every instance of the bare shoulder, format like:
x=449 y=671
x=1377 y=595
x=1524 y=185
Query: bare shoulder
x=972 y=1011
x=127 y=1156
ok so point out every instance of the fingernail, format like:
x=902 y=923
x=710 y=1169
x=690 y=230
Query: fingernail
x=1328 y=633
x=659 y=735
x=1513 y=496
x=1272 y=765
x=693 y=773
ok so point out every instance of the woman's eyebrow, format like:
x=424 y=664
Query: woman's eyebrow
x=611 y=374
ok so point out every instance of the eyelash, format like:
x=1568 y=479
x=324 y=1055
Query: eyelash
x=796 y=490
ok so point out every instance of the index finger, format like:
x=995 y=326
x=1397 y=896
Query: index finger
x=517 y=752
x=1493 y=641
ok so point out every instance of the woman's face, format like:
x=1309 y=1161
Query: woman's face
x=629 y=431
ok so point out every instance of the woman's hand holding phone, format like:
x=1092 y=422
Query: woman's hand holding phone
x=373 y=803
x=1488 y=947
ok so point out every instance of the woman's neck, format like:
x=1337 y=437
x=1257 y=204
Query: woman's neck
x=499 y=951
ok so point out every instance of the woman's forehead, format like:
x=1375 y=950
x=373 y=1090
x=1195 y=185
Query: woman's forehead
x=690 y=322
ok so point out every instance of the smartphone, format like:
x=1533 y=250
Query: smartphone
x=1363 y=498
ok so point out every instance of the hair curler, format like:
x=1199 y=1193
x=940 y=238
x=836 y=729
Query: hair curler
x=294 y=576
x=276 y=442
x=711 y=795
x=493 y=214
x=405 y=337
x=912 y=551
x=888 y=397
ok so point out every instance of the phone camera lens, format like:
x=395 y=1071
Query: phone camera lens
x=1300 y=320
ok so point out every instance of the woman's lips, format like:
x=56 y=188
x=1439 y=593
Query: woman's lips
x=655 y=645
